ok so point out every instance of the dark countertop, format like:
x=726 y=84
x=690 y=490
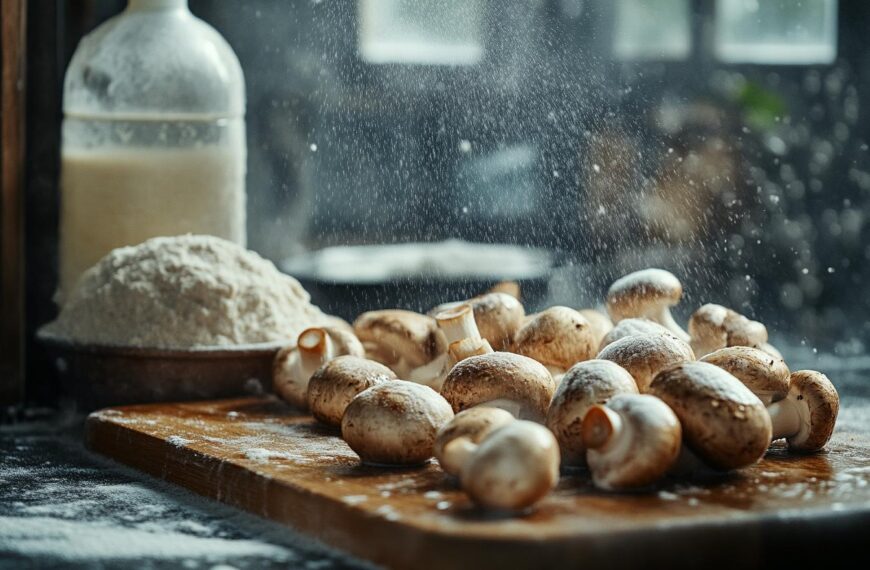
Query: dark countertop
x=62 y=506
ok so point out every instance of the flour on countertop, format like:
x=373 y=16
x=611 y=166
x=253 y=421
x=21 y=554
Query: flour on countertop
x=182 y=292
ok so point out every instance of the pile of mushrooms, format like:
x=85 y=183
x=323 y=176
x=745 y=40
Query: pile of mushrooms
x=504 y=400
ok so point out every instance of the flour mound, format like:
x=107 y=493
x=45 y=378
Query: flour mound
x=182 y=292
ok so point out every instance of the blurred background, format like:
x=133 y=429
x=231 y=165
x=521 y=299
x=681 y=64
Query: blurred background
x=723 y=140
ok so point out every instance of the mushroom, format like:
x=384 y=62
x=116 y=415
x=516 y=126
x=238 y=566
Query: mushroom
x=514 y=382
x=723 y=422
x=764 y=375
x=395 y=423
x=402 y=340
x=464 y=431
x=464 y=340
x=599 y=322
x=584 y=385
x=338 y=381
x=558 y=338
x=498 y=316
x=512 y=468
x=631 y=327
x=713 y=326
x=647 y=293
x=633 y=441
x=294 y=365
x=511 y=288
x=807 y=415
x=646 y=355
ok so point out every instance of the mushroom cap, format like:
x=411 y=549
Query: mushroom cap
x=819 y=406
x=336 y=383
x=765 y=375
x=500 y=376
x=558 y=337
x=643 y=293
x=498 y=316
x=723 y=422
x=584 y=385
x=599 y=322
x=290 y=378
x=515 y=466
x=646 y=355
x=713 y=326
x=631 y=327
x=395 y=423
x=394 y=335
x=474 y=424
x=644 y=450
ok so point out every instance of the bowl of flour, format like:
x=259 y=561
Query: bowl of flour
x=176 y=318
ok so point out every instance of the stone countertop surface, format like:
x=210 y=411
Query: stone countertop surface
x=64 y=507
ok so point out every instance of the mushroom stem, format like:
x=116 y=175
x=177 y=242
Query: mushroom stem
x=315 y=347
x=664 y=318
x=457 y=453
x=467 y=347
x=785 y=418
x=601 y=427
x=457 y=323
x=510 y=406
x=431 y=374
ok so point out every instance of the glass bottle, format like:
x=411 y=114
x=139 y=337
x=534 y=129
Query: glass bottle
x=153 y=136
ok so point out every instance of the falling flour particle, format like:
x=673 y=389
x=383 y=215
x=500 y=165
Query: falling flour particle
x=182 y=292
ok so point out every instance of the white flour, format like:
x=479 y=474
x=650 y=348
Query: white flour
x=185 y=291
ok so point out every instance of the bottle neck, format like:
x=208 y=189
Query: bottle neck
x=146 y=5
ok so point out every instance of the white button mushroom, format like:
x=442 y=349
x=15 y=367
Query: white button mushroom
x=600 y=323
x=517 y=383
x=584 y=385
x=402 y=340
x=336 y=383
x=633 y=441
x=395 y=423
x=631 y=327
x=498 y=317
x=723 y=422
x=294 y=365
x=647 y=293
x=713 y=326
x=646 y=355
x=460 y=436
x=558 y=338
x=765 y=375
x=512 y=468
x=806 y=417
x=803 y=406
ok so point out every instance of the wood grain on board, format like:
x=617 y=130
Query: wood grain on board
x=261 y=456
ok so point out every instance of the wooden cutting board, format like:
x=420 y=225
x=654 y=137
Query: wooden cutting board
x=261 y=456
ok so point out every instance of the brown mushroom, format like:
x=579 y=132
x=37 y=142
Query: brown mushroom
x=294 y=365
x=631 y=327
x=395 y=423
x=460 y=436
x=402 y=340
x=765 y=375
x=713 y=326
x=584 y=385
x=498 y=316
x=513 y=467
x=558 y=338
x=336 y=383
x=646 y=355
x=600 y=324
x=723 y=422
x=633 y=441
x=517 y=383
x=647 y=293
x=807 y=415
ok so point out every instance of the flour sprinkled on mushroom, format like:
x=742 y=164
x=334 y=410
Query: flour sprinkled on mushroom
x=335 y=384
x=294 y=365
x=599 y=323
x=646 y=355
x=713 y=326
x=558 y=338
x=458 y=439
x=631 y=327
x=765 y=375
x=647 y=293
x=583 y=386
x=807 y=416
